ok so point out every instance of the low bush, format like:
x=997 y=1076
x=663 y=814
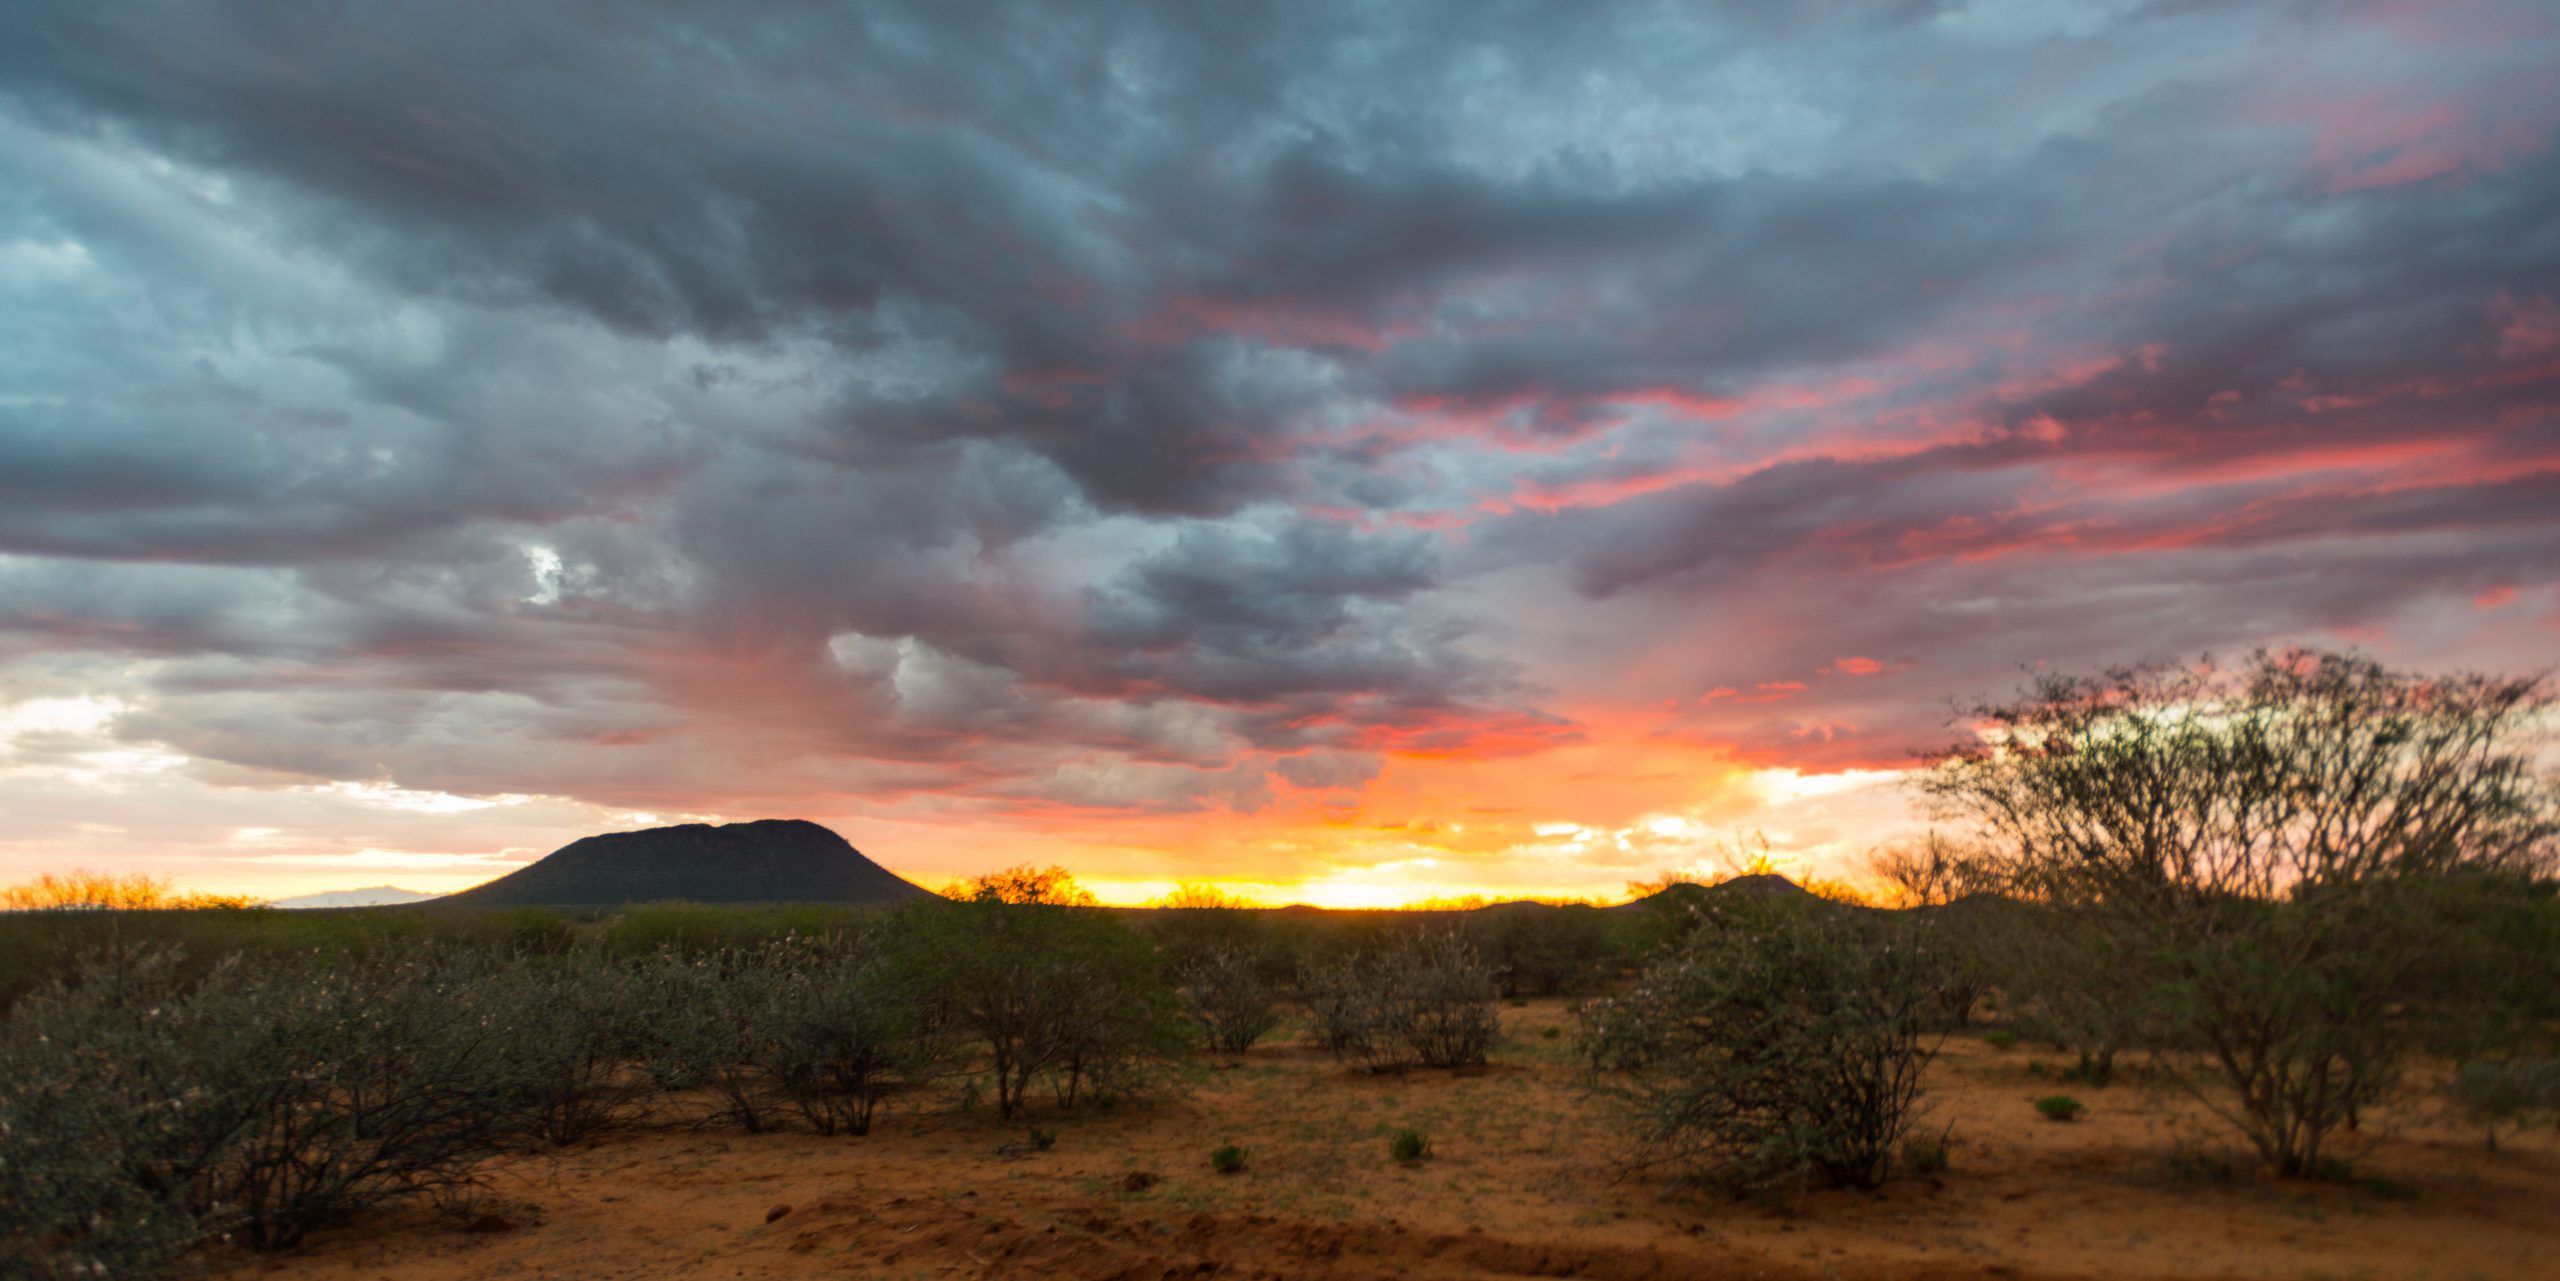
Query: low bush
x=2059 y=1107
x=576 y=1056
x=1426 y=1000
x=1775 y=1042
x=144 y=1113
x=2508 y=1092
x=835 y=1033
x=1926 y=1154
x=1542 y=949
x=1227 y=1159
x=1408 y=1146
x=1224 y=991
x=1044 y=992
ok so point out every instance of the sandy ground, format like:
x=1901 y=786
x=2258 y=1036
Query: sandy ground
x=1520 y=1184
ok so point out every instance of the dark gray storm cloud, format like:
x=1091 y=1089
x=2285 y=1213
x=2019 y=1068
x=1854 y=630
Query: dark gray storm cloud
x=1147 y=407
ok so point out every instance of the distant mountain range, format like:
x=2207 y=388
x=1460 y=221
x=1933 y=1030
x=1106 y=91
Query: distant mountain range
x=769 y=861
x=370 y=896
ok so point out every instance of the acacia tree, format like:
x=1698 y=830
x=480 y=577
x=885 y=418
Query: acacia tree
x=2273 y=852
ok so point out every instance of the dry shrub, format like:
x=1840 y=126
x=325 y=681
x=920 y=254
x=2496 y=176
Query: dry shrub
x=1226 y=994
x=1777 y=1043
x=1426 y=999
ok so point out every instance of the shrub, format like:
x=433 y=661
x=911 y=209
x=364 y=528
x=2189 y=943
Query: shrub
x=1426 y=999
x=1408 y=1146
x=268 y=1098
x=836 y=1032
x=581 y=1026
x=2000 y=1038
x=98 y=1148
x=1777 y=1041
x=704 y=1032
x=1226 y=1159
x=1224 y=991
x=2498 y=1093
x=1064 y=994
x=1926 y=1154
x=2059 y=1107
x=1541 y=949
x=1197 y=920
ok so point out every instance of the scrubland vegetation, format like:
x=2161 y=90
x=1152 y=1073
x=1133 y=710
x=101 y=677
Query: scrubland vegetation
x=2295 y=891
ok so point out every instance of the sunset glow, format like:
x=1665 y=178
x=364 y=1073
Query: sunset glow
x=1374 y=456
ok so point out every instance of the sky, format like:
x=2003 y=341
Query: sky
x=1353 y=453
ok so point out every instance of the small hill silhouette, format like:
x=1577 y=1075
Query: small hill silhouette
x=1756 y=885
x=782 y=860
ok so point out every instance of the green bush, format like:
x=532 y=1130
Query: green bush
x=837 y=1031
x=1046 y=992
x=2496 y=1093
x=1225 y=992
x=1426 y=999
x=2059 y=1107
x=263 y=1099
x=585 y=1025
x=1227 y=1159
x=2000 y=1038
x=1775 y=1042
x=1408 y=1146
x=1541 y=949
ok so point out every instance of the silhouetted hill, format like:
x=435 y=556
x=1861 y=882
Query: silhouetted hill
x=1758 y=885
x=781 y=860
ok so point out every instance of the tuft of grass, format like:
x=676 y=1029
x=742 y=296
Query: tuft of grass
x=1409 y=1146
x=1043 y=1140
x=2000 y=1038
x=1926 y=1155
x=1227 y=1159
x=2059 y=1107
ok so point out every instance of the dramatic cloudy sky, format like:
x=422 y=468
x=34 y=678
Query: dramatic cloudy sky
x=1362 y=451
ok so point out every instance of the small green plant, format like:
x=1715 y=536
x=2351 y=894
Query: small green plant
x=1550 y=1033
x=1043 y=1140
x=1926 y=1154
x=2000 y=1038
x=1227 y=1159
x=2059 y=1107
x=1409 y=1146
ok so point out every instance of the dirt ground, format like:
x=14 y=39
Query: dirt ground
x=1520 y=1183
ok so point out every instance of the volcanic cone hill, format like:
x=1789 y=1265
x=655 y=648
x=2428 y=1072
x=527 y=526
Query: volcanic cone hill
x=769 y=861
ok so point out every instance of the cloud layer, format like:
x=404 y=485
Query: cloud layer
x=1367 y=447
